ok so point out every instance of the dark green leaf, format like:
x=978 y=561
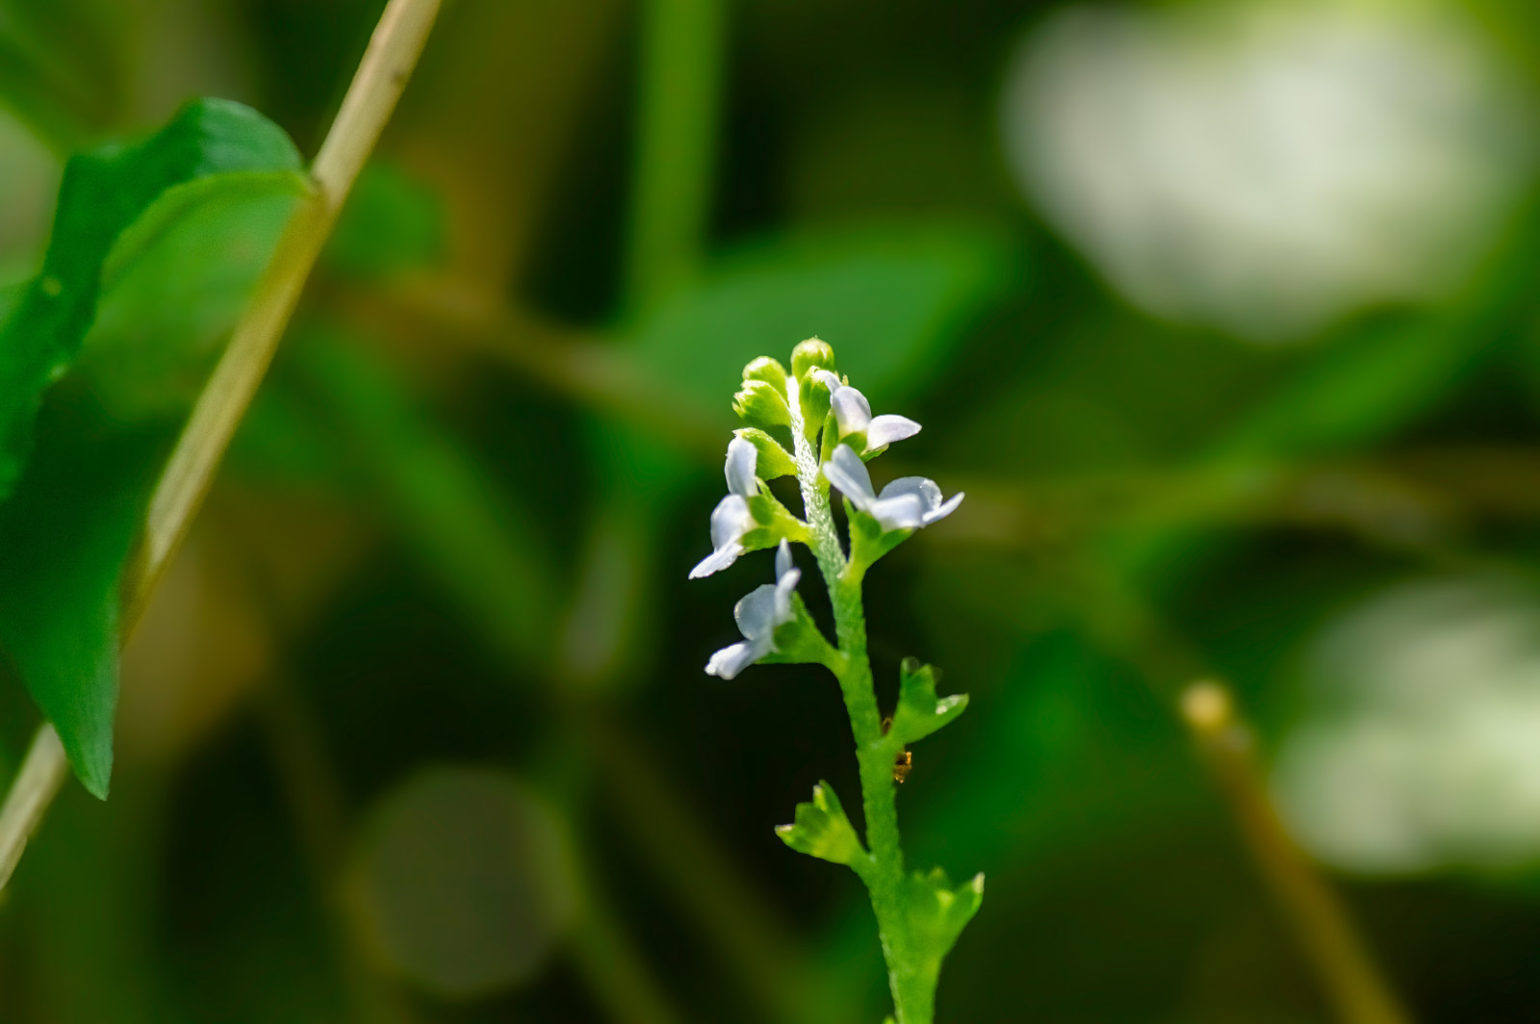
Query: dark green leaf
x=102 y=194
x=158 y=249
x=64 y=536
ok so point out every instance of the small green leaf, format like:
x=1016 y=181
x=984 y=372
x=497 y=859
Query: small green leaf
x=101 y=195
x=937 y=913
x=774 y=460
x=919 y=713
x=821 y=830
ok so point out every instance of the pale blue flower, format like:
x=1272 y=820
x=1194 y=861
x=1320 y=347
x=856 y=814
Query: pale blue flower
x=731 y=519
x=765 y=609
x=853 y=414
x=907 y=503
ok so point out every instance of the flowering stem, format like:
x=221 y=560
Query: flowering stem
x=911 y=981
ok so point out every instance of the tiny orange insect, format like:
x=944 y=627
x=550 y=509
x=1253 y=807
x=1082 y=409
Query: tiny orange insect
x=903 y=764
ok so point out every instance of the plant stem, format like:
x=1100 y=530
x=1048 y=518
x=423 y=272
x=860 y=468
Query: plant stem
x=912 y=987
x=1326 y=934
x=37 y=783
x=382 y=74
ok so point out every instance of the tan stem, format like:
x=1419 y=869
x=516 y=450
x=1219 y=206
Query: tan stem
x=1326 y=935
x=392 y=53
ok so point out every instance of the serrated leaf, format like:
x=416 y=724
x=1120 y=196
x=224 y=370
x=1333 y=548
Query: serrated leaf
x=820 y=829
x=919 y=712
x=102 y=194
x=79 y=502
x=936 y=912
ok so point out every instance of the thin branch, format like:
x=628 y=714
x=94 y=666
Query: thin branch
x=1326 y=934
x=371 y=98
x=37 y=783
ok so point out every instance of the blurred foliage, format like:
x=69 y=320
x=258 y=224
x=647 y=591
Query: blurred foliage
x=430 y=663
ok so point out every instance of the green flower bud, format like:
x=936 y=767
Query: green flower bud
x=768 y=370
x=774 y=461
x=759 y=404
x=810 y=354
x=814 y=397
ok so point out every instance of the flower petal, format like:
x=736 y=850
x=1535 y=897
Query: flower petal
x=742 y=458
x=887 y=428
x=755 y=614
x=783 y=564
x=924 y=489
x=852 y=412
x=730 y=520
x=730 y=660
x=718 y=560
x=899 y=512
x=911 y=502
x=944 y=510
x=785 y=586
x=846 y=471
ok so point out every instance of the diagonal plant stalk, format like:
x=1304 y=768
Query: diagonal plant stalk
x=377 y=85
x=1348 y=974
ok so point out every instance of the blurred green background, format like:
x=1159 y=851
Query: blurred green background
x=1224 y=316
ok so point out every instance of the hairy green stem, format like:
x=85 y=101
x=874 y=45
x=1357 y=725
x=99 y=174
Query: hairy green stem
x=912 y=986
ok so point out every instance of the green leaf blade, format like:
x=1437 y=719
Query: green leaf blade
x=155 y=249
x=920 y=712
x=102 y=194
x=820 y=829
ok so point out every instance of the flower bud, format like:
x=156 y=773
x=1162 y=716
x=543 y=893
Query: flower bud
x=809 y=354
x=773 y=461
x=768 y=370
x=759 y=404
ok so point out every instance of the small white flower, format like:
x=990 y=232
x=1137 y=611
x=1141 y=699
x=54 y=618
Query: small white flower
x=731 y=519
x=765 y=609
x=853 y=414
x=907 y=503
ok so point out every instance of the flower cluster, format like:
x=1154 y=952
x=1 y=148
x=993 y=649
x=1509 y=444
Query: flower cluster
x=811 y=424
